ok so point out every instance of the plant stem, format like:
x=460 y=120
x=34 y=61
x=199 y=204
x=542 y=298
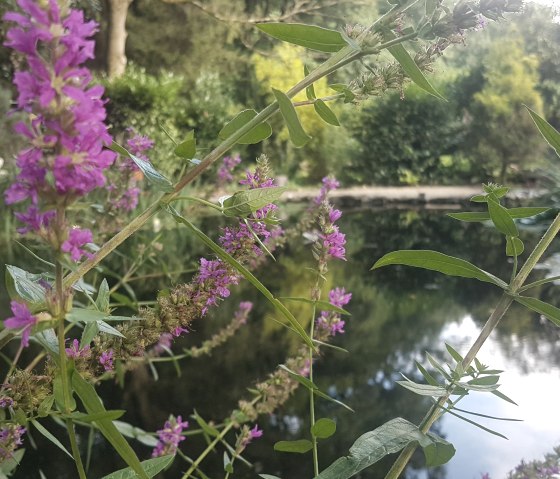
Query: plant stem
x=338 y=60
x=501 y=308
x=311 y=394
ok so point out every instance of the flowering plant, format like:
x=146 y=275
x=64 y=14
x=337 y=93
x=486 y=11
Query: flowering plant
x=70 y=153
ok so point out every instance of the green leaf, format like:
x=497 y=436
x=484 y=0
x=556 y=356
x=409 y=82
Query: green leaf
x=427 y=376
x=478 y=387
x=50 y=437
x=310 y=90
x=136 y=433
x=484 y=381
x=534 y=304
x=345 y=90
x=268 y=476
x=516 y=213
x=93 y=405
x=246 y=202
x=226 y=257
x=514 y=246
x=484 y=428
x=323 y=428
x=454 y=354
x=435 y=363
x=207 y=428
x=85 y=315
x=325 y=396
x=549 y=133
x=45 y=406
x=103 y=296
x=58 y=390
x=10 y=463
x=299 y=378
x=257 y=134
x=89 y=332
x=487 y=416
x=372 y=446
x=108 y=329
x=439 y=452
x=479 y=199
x=300 y=446
x=501 y=218
x=187 y=148
x=151 y=467
x=411 y=69
x=297 y=134
x=159 y=181
x=435 y=261
x=325 y=112
x=422 y=389
x=309 y=36
x=321 y=305
x=111 y=415
x=22 y=284
x=504 y=397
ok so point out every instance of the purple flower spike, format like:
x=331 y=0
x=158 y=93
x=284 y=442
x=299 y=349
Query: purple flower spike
x=170 y=436
x=106 y=360
x=22 y=318
x=77 y=238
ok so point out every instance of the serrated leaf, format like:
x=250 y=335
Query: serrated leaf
x=436 y=261
x=297 y=133
x=40 y=428
x=257 y=134
x=439 y=452
x=323 y=428
x=325 y=112
x=187 y=148
x=159 y=181
x=411 y=69
x=226 y=257
x=549 y=133
x=514 y=246
x=454 y=354
x=151 y=467
x=308 y=36
x=300 y=446
x=93 y=405
x=515 y=213
x=372 y=446
x=422 y=389
x=501 y=218
x=546 y=309
x=246 y=202
x=321 y=305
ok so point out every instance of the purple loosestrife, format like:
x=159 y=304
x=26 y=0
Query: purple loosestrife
x=77 y=239
x=246 y=437
x=226 y=169
x=106 y=360
x=66 y=158
x=75 y=352
x=10 y=439
x=331 y=321
x=329 y=183
x=170 y=436
x=22 y=318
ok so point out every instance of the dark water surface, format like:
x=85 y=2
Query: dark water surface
x=397 y=314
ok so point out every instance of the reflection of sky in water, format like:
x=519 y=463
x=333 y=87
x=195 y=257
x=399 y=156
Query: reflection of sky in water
x=537 y=394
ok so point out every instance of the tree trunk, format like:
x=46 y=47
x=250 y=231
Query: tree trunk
x=116 y=55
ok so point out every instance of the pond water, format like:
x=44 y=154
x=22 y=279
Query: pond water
x=397 y=314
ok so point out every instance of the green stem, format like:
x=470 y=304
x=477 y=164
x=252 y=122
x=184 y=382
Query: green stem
x=501 y=308
x=207 y=451
x=311 y=394
x=538 y=283
x=338 y=60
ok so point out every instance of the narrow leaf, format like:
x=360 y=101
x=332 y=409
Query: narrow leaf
x=422 y=389
x=454 y=354
x=325 y=112
x=308 y=36
x=299 y=378
x=486 y=416
x=516 y=213
x=495 y=433
x=534 y=304
x=427 y=376
x=323 y=395
x=310 y=90
x=102 y=300
x=151 y=467
x=257 y=134
x=159 y=181
x=484 y=381
x=435 y=363
x=93 y=405
x=224 y=256
x=411 y=69
x=300 y=446
x=501 y=219
x=297 y=133
x=504 y=397
x=50 y=437
x=323 y=428
x=321 y=305
x=210 y=430
x=549 y=133
x=435 y=261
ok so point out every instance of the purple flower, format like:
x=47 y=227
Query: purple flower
x=10 y=439
x=334 y=243
x=228 y=165
x=339 y=297
x=247 y=435
x=106 y=360
x=215 y=278
x=6 y=401
x=77 y=238
x=331 y=320
x=170 y=436
x=243 y=311
x=75 y=352
x=330 y=183
x=22 y=318
x=138 y=144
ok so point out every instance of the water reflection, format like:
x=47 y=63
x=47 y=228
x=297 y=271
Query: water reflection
x=397 y=314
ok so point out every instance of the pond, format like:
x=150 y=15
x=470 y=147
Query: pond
x=397 y=315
